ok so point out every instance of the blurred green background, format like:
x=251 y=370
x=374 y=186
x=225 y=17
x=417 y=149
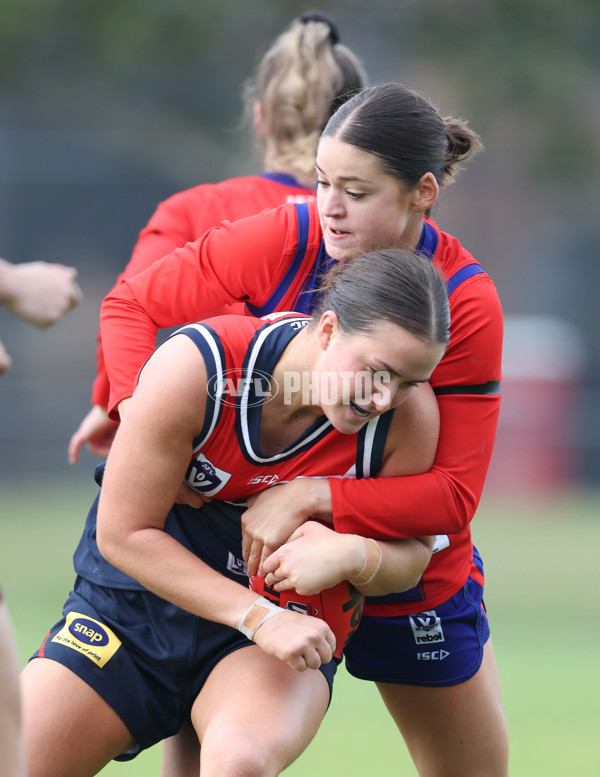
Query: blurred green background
x=541 y=594
x=107 y=107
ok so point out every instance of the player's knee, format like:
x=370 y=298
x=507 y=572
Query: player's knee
x=239 y=754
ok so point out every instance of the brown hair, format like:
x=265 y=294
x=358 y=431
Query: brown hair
x=388 y=285
x=407 y=133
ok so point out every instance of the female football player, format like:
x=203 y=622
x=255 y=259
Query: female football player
x=381 y=161
x=302 y=78
x=148 y=635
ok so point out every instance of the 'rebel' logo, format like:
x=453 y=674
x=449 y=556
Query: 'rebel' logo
x=426 y=627
x=88 y=632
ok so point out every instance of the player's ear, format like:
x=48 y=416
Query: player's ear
x=425 y=193
x=327 y=328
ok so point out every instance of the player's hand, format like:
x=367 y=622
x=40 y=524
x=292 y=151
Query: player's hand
x=187 y=496
x=41 y=292
x=96 y=431
x=314 y=558
x=274 y=514
x=300 y=640
x=269 y=520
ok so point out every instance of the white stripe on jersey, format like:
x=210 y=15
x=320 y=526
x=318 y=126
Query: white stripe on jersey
x=219 y=378
x=368 y=447
x=244 y=401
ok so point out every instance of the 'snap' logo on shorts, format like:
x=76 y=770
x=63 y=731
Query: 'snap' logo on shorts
x=88 y=637
x=204 y=477
x=427 y=627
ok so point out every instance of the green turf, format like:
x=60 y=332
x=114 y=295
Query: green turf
x=542 y=580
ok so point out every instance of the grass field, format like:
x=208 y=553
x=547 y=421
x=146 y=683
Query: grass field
x=542 y=584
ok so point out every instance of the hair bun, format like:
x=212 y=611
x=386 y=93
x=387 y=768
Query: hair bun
x=317 y=16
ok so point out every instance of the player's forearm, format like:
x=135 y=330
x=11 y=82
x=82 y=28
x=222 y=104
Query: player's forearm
x=165 y=567
x=317 y=492
x=393 y=566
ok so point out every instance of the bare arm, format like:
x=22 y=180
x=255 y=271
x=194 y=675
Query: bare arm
x=316 y=557
x=145 y=467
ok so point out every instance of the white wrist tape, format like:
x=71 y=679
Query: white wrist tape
x=258 y=613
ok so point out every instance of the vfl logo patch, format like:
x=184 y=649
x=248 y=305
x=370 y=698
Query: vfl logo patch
x=204 y=477
x=427 y=627
x=88 y=637
x=236 y=565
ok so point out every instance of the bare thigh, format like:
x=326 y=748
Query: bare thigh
x=255 y=714
x=181 y=754
x=68 y=729
x=11 y=755
x=456 y=731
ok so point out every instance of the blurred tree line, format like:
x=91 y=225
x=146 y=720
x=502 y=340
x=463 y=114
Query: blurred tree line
x=536 y=58
x=108 y=106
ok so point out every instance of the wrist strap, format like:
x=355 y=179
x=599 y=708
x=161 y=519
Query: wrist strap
x=373 y=558
x=258 y=613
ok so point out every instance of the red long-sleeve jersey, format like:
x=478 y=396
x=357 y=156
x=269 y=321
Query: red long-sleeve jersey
x=272 y=261
x=186 y=216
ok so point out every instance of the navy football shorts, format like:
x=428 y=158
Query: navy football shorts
x=436 y=647
x=146 y=657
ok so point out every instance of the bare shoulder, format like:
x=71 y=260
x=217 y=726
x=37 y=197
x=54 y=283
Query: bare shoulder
x=173 y=384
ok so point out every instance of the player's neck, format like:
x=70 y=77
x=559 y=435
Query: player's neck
x=294 y=376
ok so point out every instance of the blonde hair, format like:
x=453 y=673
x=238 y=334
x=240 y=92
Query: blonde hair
x=301 y=80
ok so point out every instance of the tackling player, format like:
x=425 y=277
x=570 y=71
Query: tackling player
x=381 y=161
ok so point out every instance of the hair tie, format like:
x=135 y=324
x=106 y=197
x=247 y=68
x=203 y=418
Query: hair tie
x=317 y=16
